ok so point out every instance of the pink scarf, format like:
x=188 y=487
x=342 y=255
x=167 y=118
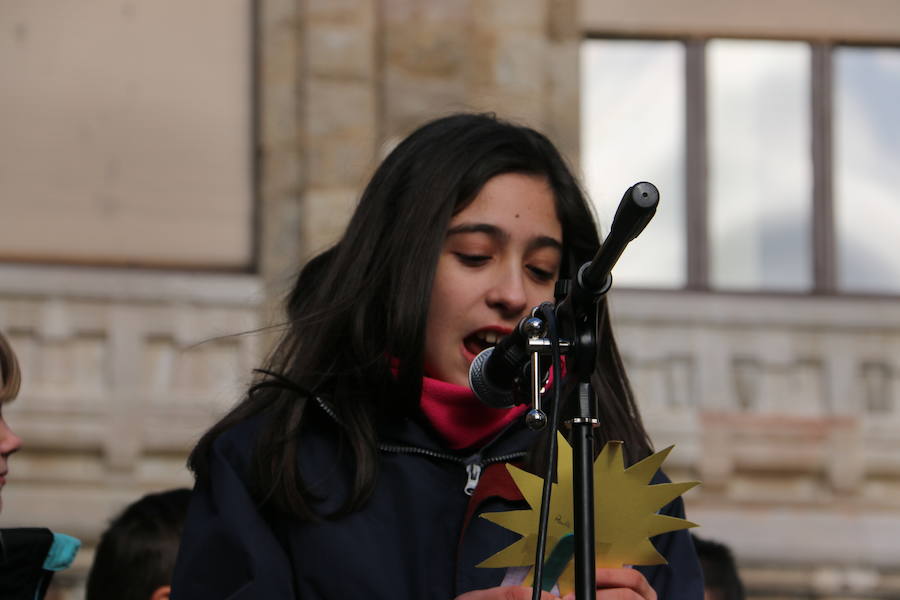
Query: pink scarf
x=460 y=417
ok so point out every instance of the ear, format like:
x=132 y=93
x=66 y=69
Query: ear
x=161 y=593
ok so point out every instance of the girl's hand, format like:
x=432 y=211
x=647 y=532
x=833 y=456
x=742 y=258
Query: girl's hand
x=612 y=584
x=506 y=592
x=621 y=584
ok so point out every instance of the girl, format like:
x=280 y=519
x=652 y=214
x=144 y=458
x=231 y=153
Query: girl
x=351 y=468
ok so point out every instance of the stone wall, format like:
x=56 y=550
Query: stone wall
x=361 y=74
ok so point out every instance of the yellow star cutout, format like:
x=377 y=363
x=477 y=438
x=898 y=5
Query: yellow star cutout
x=625 y=507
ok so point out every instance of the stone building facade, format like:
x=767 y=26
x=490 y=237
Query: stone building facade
x=786 y=407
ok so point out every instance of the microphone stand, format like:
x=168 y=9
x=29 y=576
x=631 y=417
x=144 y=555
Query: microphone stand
x=577 y=314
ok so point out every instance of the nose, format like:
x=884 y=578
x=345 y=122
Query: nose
x=9 y=441
x=507 y=295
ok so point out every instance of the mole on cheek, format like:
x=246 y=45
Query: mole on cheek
x=517 y=216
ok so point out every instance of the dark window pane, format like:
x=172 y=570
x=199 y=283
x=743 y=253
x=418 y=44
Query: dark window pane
x=632 y=129
x=760 y=165
x=867 y=168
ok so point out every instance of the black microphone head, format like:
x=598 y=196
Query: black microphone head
x=487 y=392
x=644 y=194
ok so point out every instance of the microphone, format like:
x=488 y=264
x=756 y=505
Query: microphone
x=494 y=372
x=637 y=207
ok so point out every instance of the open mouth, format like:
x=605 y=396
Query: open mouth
x=481 y=339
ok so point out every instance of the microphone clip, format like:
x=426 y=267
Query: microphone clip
x=534 y=329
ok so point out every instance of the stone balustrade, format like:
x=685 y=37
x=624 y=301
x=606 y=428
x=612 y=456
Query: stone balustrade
x=787 y=408
x=122 y=372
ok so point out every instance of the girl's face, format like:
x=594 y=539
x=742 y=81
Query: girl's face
x=9 y=443
x=501 y=257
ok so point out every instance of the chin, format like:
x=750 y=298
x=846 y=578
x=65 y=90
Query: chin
x=459 y=379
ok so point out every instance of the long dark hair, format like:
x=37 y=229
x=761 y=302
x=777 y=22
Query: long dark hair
x=363 y=303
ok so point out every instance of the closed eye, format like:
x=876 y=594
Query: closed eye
x=541 y=274
x=472 y=260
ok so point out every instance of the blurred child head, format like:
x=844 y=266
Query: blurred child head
x=10 y=380
x=720 y=574
x=136 y=554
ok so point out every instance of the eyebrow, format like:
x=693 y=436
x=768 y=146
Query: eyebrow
x=541 y=241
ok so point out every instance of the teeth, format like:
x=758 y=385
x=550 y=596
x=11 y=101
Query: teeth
x=489 y=337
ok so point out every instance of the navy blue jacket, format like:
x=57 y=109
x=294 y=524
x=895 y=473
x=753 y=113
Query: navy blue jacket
x=415 y=539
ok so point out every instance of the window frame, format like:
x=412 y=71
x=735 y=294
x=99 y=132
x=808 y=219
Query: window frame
x=823 y=238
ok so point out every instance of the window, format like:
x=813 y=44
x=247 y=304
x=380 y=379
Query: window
x=776 y=160
x=866 y=125
x=633 y=94
x=760 y=171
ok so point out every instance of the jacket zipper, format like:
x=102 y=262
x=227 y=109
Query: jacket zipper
x=474 y=464
x=473 y=471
